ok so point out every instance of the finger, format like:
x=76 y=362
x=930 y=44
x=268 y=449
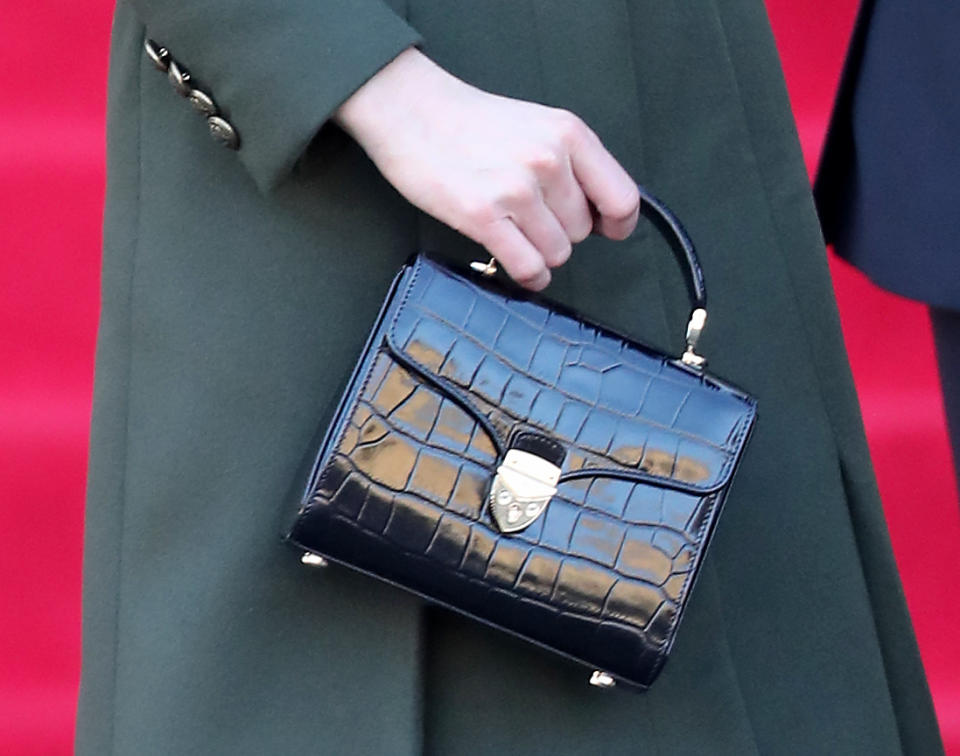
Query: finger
x=607 y=185
x=543 y=229
x=522 y=261
x=565 y=198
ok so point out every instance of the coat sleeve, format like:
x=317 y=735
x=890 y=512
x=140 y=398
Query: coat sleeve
x=277 y=70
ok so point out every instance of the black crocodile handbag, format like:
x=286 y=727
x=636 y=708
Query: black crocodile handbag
x=501 y=456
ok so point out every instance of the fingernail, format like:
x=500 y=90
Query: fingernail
x=543 y=280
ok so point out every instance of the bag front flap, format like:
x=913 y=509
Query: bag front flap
x=516 y=364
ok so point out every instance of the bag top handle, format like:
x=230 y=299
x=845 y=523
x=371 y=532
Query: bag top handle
x=661 y=215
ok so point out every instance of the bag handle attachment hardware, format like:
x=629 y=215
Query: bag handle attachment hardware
x=698 y=319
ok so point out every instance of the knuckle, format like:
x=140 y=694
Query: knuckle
x=519 y=191
x=477 y=212
x=546 y=162
x=570 y=127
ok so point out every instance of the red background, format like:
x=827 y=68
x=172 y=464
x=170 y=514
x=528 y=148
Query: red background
x=54 y=55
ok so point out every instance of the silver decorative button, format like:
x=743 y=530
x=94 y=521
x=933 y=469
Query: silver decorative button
x=159 y=56
x=180 y=78
x=223 y=132
x=202 y=102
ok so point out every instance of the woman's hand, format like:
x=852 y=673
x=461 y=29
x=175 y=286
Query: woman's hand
x=514 y=176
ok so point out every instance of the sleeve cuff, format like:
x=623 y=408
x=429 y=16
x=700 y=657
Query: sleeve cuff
x=278 y=71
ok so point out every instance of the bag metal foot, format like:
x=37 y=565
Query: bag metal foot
x=313 y=560
x=602 y=679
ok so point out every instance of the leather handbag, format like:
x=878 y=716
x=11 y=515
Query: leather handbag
x=506 y=458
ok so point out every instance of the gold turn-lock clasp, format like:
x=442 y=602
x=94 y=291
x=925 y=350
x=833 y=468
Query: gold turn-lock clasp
x=521 y=490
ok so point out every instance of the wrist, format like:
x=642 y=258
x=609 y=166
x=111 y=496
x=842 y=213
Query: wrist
x=391 y=96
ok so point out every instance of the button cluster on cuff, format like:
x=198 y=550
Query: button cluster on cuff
x=220 y=128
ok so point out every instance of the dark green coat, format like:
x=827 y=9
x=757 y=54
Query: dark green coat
x=237 y=288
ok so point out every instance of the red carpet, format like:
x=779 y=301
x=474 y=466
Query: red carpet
x=51 y=192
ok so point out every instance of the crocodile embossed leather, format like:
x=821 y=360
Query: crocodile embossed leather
x=503 y=457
